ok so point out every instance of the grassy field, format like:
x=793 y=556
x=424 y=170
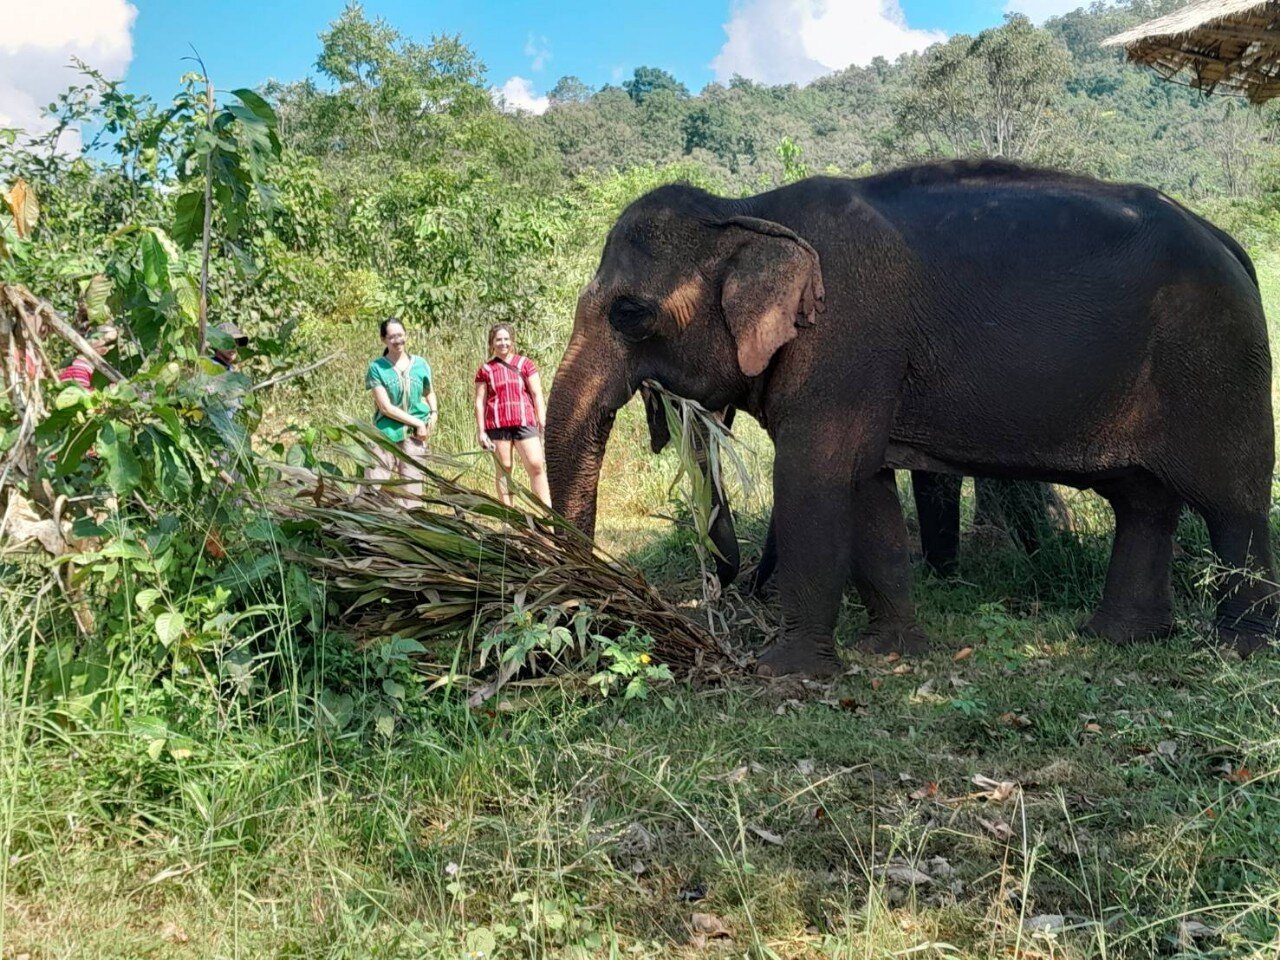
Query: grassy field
x=1019 y=793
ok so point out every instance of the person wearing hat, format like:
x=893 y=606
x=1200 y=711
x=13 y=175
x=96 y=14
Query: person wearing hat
x=227 y=358
x=102 y=338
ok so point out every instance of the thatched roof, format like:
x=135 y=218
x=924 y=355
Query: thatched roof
x=1223 y=45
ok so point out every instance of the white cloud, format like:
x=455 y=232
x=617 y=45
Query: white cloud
x=539 y=49
x=796 y=41
x=1041 y=10
x=38 y=41
x=517 y=94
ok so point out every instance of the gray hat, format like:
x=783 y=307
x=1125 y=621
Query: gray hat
x=234 y=332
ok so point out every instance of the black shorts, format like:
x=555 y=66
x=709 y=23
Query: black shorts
x=512 y=433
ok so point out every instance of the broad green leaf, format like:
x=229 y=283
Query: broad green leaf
x=70 y=456
x=170 y=626
x=255 y=103
x=124 y=473
x=155 y=262
x=188 y=221
x=187 y=292
x=152 y=728
x=95 y=298
x=72 y=395
x=393 y=689
x=146 y=599
x=154 y=749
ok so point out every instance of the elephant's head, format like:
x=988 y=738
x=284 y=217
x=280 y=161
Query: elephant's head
x=691 y=293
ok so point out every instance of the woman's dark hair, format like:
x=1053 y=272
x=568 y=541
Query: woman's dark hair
x=382 y=329
x=493 y=332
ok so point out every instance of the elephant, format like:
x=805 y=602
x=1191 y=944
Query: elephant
x=961 y=318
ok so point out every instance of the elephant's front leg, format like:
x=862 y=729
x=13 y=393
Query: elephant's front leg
x=827 y=531
x=812 y=528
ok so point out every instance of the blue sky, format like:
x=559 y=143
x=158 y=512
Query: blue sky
x=525 y=46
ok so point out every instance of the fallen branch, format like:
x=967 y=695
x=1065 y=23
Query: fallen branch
x=291 y=374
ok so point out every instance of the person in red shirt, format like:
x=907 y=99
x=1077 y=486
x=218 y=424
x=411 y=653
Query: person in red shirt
x=511 y=414
x=80 y=370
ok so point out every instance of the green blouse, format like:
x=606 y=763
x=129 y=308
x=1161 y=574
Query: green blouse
x=416 y=380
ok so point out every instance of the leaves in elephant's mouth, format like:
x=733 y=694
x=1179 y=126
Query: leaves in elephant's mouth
x=700 y=433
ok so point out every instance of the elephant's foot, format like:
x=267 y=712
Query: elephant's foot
x=1245 y=635
x=1129 y=628
x=894 y=638
x=807 y=657
x=944 y=568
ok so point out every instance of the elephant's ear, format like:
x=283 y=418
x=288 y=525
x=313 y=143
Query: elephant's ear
x=772 y=285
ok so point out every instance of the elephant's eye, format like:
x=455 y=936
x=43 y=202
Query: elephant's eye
x=632 y=318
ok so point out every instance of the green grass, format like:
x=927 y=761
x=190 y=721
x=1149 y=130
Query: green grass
x=560 y=825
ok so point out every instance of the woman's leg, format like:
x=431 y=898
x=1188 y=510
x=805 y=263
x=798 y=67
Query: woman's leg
x=536 y=466
x=502 y=455
x=410 y=471
x=382 y=467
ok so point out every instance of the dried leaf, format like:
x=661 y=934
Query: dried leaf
x=1239 y=775
x=893 y=658
x=709 y=925
x=927 y=792
x=997 y=828
x=1044 y=923
x=1092 y=728
x=768 y=836
x=903 y=874
x=902 y=668
x=806 y=767
x=26 y=210
x=964 y=653
x=997 y=791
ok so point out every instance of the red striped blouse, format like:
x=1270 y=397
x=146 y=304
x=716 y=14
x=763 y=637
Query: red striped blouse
x=507 y=401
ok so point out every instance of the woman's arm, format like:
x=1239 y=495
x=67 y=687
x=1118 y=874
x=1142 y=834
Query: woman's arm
x=388 y=409
x=539 y=407
x=481 y=436
x=434 y=407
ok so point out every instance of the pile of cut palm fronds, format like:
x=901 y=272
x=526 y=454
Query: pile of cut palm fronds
x=453 y=563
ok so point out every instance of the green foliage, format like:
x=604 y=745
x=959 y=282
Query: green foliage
x=992 y=95
x=645 y=82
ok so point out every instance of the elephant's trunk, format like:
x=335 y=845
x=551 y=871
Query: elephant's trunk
x=589 y=388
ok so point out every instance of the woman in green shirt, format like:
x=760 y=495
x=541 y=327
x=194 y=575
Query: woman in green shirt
x=405 y=401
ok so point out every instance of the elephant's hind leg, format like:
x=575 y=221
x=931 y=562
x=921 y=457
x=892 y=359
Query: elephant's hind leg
x=1247 y=593
x=1137 y=602
x=881 y=569
x=937 y=497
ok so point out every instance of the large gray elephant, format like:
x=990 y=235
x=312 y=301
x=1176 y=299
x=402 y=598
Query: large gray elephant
x=960 y=318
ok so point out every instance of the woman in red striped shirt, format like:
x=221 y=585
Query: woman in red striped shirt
x=80 y=370
x=510 y=413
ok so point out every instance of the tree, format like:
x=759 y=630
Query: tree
x=989 y=95
x=647 y=81
x=569 y=90
x=393 y=95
